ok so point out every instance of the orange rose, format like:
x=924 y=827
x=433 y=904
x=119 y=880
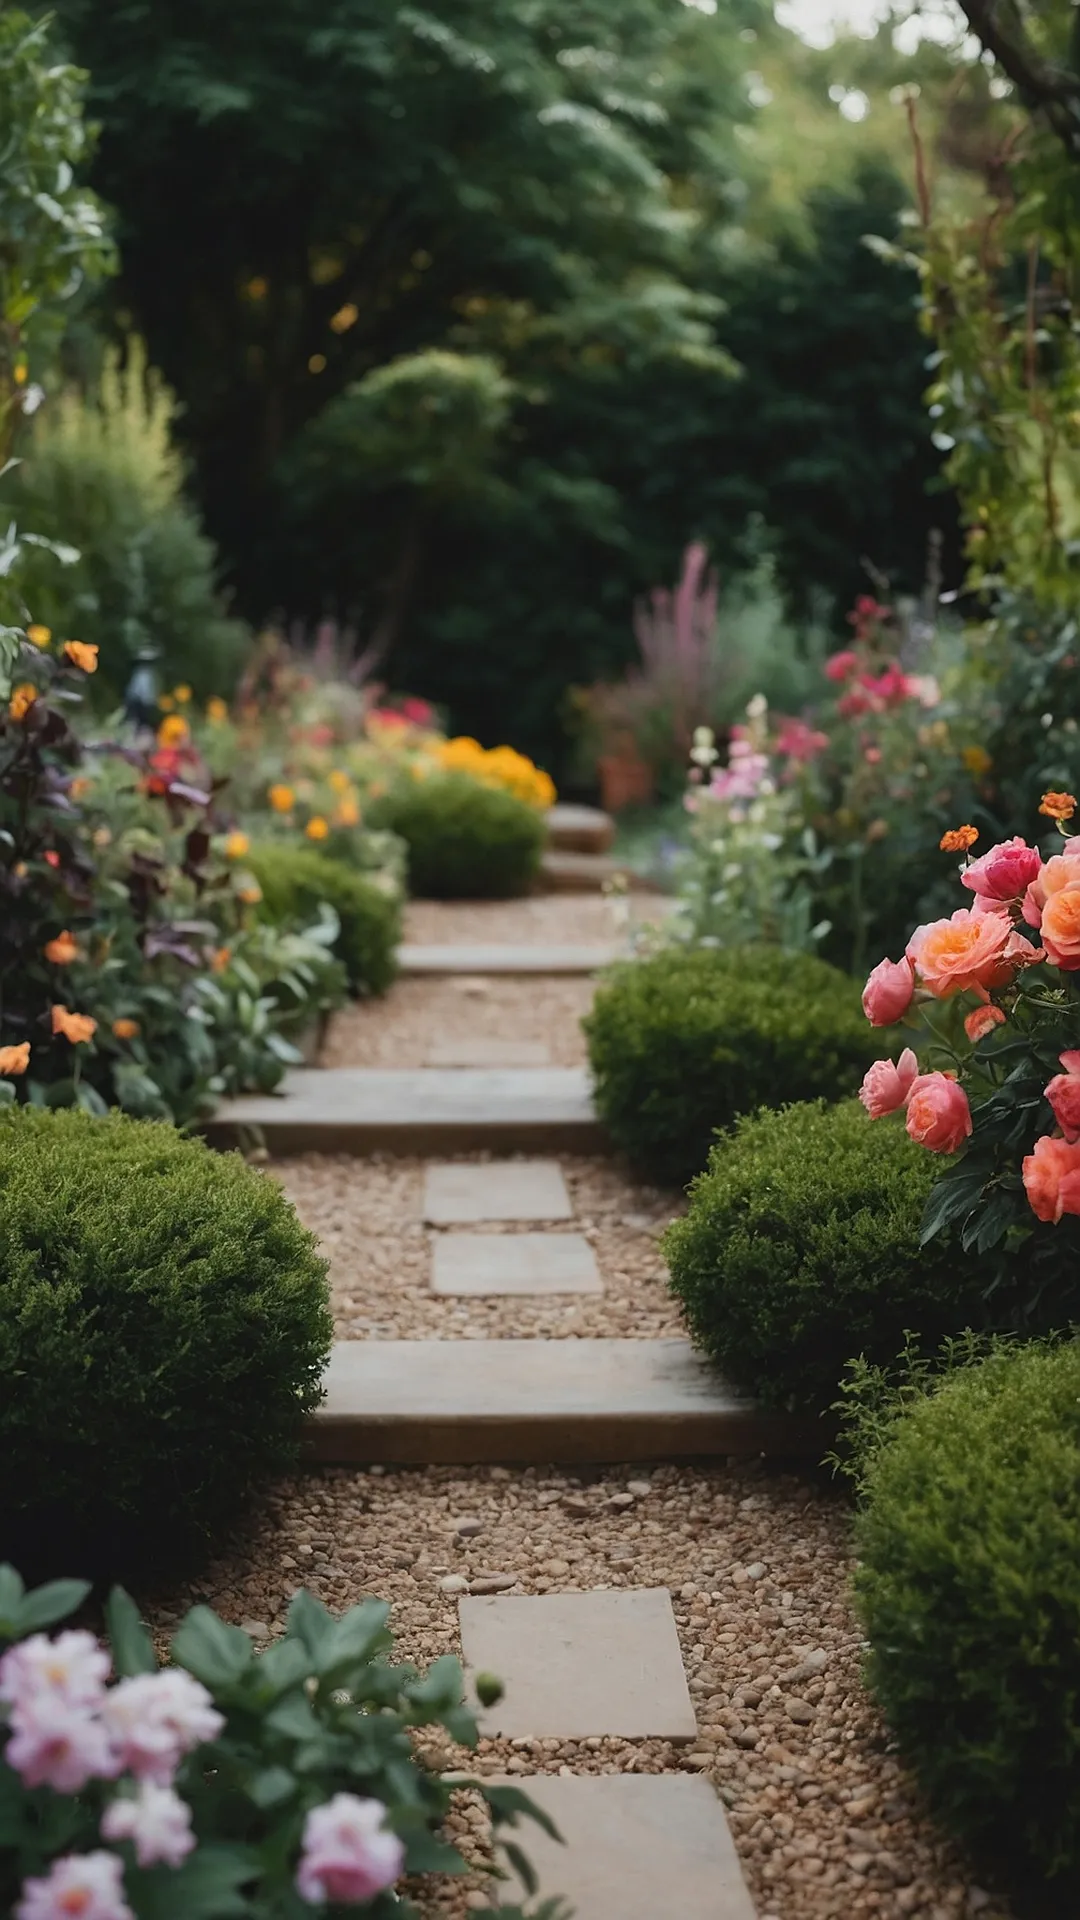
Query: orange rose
x=22 y=699
x=81 y=655
x=15 y=1060
x=125 y=1029
x=75 y=1027
x=1061 y=929
x=1052 y=1178
x=966 y=952
x=63 y=950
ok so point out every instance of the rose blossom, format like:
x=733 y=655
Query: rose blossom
x=1060 y=930
x=348 y=1852
x=938 y=1115
x=841 y=666
x=88 y=1886
x=887 y=993
x=1005 y=872
x=1052 y=1177
x=1059 y=873
x=981 y=1021
x=966 y=951
x=156 y=1718
x=54 y=1744
x=73 y=1666
x=156 y=1820
x=1063 y=1093
x=887 y=1085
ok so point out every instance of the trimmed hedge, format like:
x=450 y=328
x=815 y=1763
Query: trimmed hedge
x=163 y=1328
x=294 y=881
x=969 y=1546
x=684 y=1042
x=466 y=841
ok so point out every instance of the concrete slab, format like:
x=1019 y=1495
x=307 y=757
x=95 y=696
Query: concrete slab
x=575 y=1664
x=488 y=1053
x=456 y=1195
x=579 y=829
x=506 y=959
x=417 y=1110
x=456 y=1402
x=637 y=1846
x=499 y=1263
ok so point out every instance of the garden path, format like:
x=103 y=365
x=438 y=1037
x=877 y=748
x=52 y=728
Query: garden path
x=680 y=1658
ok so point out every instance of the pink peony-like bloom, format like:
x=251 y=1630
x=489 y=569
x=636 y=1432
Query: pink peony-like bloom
x=938 y=1115
x=54 y=1744
x=841 y=666
x=1052 y=1177
x=155 y=1820
x=1063 y=1093
x=981 y=1021
x=154 y=1719
x=87 y=1886
x=962 y=953
x=1005 y=872
x=348 y=1853
x=887 y=993
x=73 y=1667
x=887 y=1084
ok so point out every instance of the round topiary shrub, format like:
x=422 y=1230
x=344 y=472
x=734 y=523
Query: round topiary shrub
x=163 y=1328
x=683 y=1042
x=466 y=841
x=294 y=881
x=800 y=1250
x=969 y=1546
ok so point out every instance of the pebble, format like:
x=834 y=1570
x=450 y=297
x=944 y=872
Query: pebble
x=801 y=1712
x=453 y=1583
x=256 y=1628
x=639 y=1488
x=468 y=1529
x=619 y=1502
x=493 y=1582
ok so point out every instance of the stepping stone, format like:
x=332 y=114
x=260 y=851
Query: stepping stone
x=488 y=1053
x=510 y=1190
x=460 y=1402
x=579 y=829
x=638 y=1845
x=587 y=873
x=506 y=959
x=489 y=1263
x=417 y=1110
x=575 y=1664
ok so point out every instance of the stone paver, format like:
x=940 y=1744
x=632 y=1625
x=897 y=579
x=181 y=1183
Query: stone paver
x=579 y=829
x=504 y=1190
x=638 y=1846
x=575 y=1664
x=502 y=958
x=480 y=1052
x=488 y=1263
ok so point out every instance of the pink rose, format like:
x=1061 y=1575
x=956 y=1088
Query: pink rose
x=886 y=1086
x=938 y=1115
x=1005 y=872
x=887 y=993
x=154 y=1719
x=88 y=1886
x=1060 y=873
x=964 y=952
x=1063 y=1093
x=155 y=1820
x=73 y=1667
x=841 y=666
x=1052 y=1177
x=54 y=1744
x=349 y=1854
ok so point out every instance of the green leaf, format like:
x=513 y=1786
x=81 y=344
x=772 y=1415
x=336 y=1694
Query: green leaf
x=426 y=1853
x=522 y=1865
x=11 y=1595
x=283 y=1665
x=132 y=1647
x=953 y=1197
x=294 y=1718
x=207 y=1886
x=45 y=1605
x=310 y=1622
x=441 y=1687
x=507 y=1803
x=215 y=1653
x=352 y=1640
x=270 y=1786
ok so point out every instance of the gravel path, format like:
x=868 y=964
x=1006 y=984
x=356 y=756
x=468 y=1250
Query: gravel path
x=367 y=1216
x=543 y=919
x=401 y=1029
x=757 y=1563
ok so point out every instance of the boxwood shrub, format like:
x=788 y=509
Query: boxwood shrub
x=163 y=1327
x=294 y=881
x=969 y=1546
x=800 y=1250
x=465 y=841
x=683 y=1042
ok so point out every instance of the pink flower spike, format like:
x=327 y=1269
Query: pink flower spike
x=886 y=1086
x=348 y=1853
x=938 y=1115
x=88 y=1886
x=54 y=1744
x=73 y=1667
x=157 y=1822
x=887 y=993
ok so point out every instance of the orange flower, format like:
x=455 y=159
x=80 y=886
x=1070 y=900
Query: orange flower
x=964 y=952
x=317 y=828
x=217 y=709
x=22 y=699
x=63 y=950
x=15 y=1060
x=38 y=636
x=80 y=787
x=75 y=1027
x=182 y=695
x=1052 y=1178
x=958 y=839
x=348 y=814
x=1060 y=930
x=281 y=798
x=173 y=731
x=1058 y=806
x=125 y=1029
x=981 y=1021
x=236 y=845
x=81 y=655
x=220 y=958
x=250 y=895
x=339 y=782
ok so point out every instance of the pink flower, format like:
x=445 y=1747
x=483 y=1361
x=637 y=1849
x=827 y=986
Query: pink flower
x=1005 y=872
x=156 y=1820
x=981 y=1021
x=853 y=703
x=1060 y=874
x=886 y=1086
x=72 y=1666
x=797 y=741
x=88 y=1886
x=967 y=951
x=887 y=993
x=841 y=666
x=154 y=1719
x=938 y=1115
x=348 y=1852
x=54 y=1744
x=418 y=713
x=890 y=688
x=1063 y=1093
x=1052 y=1177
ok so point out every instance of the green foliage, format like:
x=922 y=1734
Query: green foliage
x=967 y=1549
x=466 y=841
x=163 y=1331
x=801 y=1249
x=296 y=882
x=683 y=1042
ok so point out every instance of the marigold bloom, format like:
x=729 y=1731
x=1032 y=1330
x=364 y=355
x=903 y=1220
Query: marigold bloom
x=347 y=814
x=82 y=655
x=962 y=953
x=22 y=699
x=37 y=635
x=219 y=959
x=76 y=1027
x=938 y=1114
x=217 y=709
x=125 y=1029
x=236 y=845
x=338 y=782
x=281 y=798
x=1052 y=1178
x=173 y=731
x=15 y=1060
x=63 y=950
x=317 y=828
x=958 y=839
x=182 y=695
x=1058 y=806
x=981 y=1021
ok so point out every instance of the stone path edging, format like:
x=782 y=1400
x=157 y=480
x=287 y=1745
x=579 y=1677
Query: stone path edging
x=493 y=958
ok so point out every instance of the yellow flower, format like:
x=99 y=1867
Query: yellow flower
x=977 y=761
x=217 y=709
x=81 y=655
x=345 y=317
x=317 y=828
x=102 y=836
x=21 y=373
x=236 y=845
x=125 y=1029
x=338 y=781
x=22 y=699
x=182 y=695
x=281 y=798
x=38 y=636
x=62 y=950
x=15 y=1060
x=347 y=814
x=75 y=1027
x=173 y=731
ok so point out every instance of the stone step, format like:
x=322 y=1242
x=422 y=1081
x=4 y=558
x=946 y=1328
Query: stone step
x=588 y=873
x=579 y=829
x=417 y=1110
x=539 y=1402
x=456 y=1195
x=418 y=962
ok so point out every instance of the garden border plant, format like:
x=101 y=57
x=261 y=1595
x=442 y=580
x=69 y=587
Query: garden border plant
x=466 y=840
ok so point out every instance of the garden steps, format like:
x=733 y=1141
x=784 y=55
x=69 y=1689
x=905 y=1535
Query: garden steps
x=574 y=829
x=424 y=962
x=588 y=873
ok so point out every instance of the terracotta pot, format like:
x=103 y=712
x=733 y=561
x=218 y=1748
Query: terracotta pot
x=626 y=780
